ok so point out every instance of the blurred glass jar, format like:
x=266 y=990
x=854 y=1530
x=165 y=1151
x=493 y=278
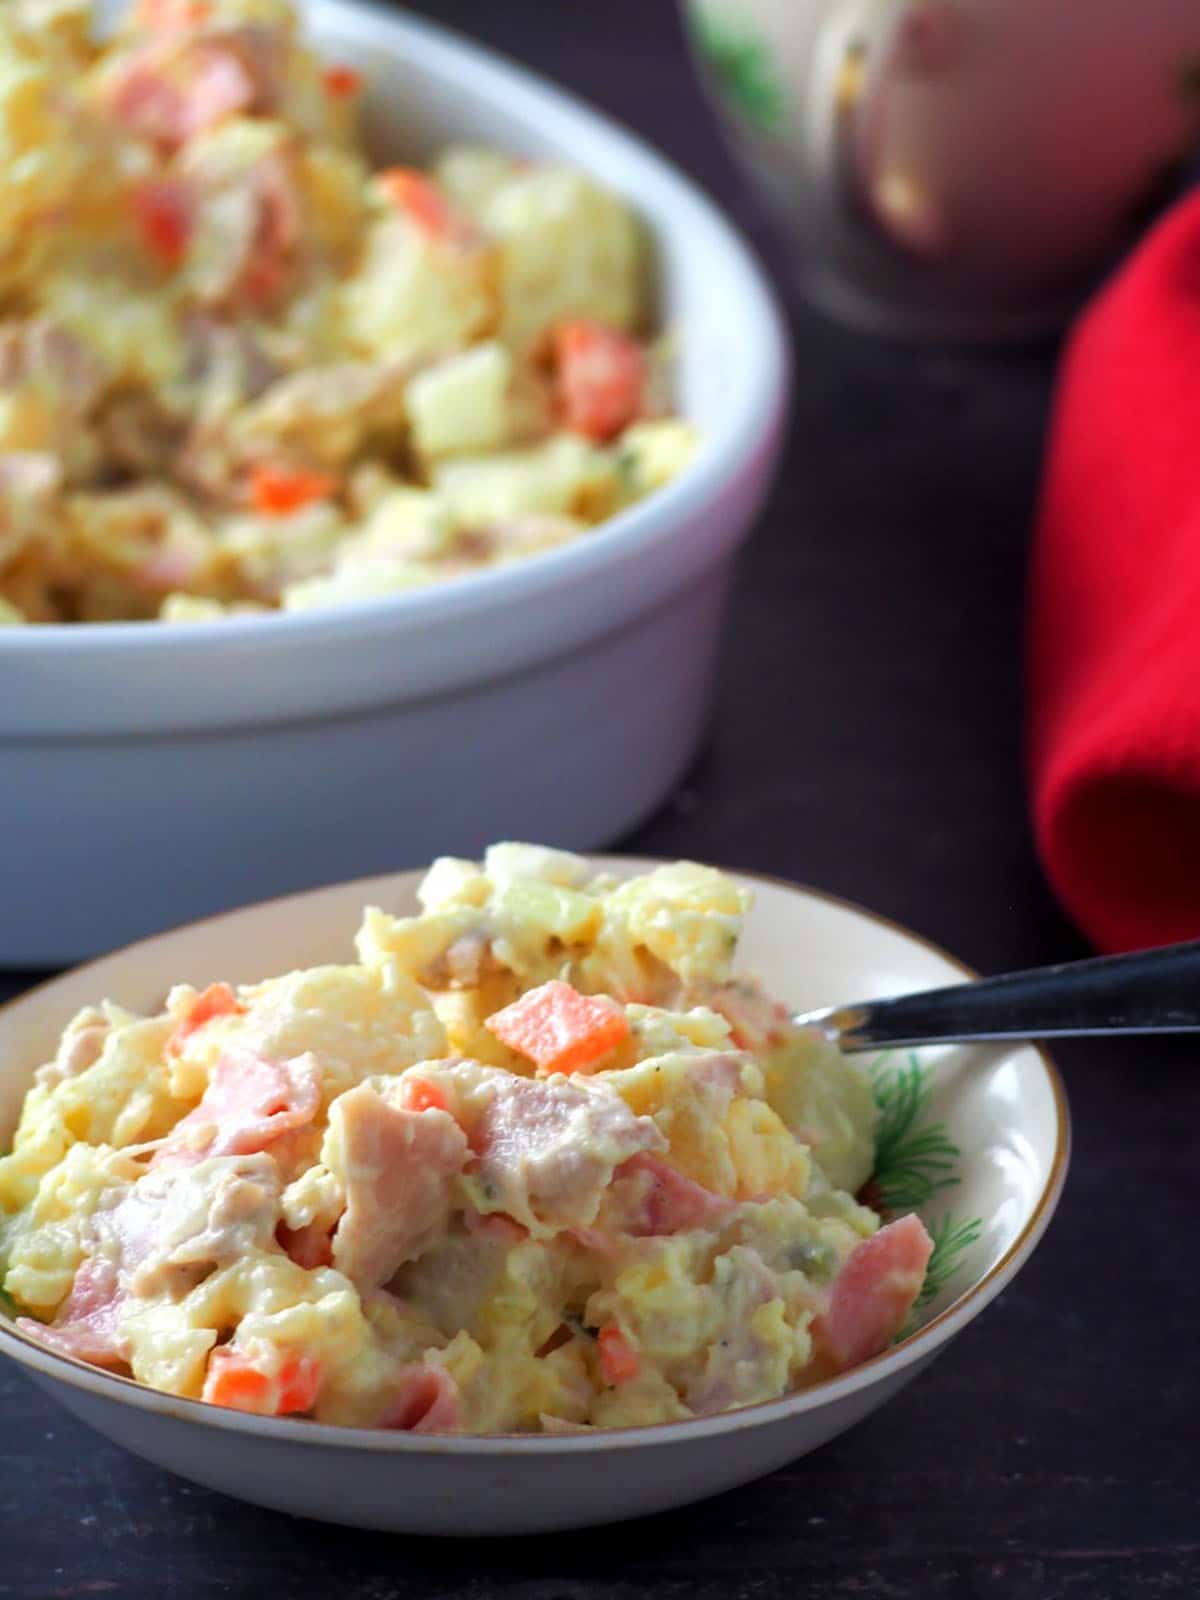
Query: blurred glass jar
x=955 y=169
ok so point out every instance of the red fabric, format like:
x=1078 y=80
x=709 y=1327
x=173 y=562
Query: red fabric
x=1115 y=606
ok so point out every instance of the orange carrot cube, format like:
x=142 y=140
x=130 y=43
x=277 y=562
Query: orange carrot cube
x=218 y=1000
x=619 y=1361
x=559 y=1029
x=600 y=378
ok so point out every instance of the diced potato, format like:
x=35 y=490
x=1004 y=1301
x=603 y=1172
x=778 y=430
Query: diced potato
x=332 y=184
x=196 y=608
x=461 y=405
x=451 y=879
x=531 y=910
x=272 y=553
x=403 y=525
x=687 y=915
x=470 y=174
x=344 y=586
x=135 y=334
x=650 y=454
x=507 y=862
x=414 y=297
x=569 y=249
x=566 y=475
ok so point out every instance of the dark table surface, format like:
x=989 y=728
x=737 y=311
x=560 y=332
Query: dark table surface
x=867 y=739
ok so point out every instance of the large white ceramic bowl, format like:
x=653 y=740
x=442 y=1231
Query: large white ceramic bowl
x=1002 y=1114
x=150 y=774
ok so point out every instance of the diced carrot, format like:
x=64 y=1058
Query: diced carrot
x=240 y=1388
x=341 y=82
x=173 y=13
x=600 y=378
x=420 y=199
x=278 y=491
x=233 y=1380
x=619 y=1361
x=417 y=1094
x=164 y=217
x=218 y=1000
x=299 y=1380
x=559 y=1029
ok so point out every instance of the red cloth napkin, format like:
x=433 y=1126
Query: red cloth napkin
x=1114 y=707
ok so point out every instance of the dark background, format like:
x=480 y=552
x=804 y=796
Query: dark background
x=867 y=739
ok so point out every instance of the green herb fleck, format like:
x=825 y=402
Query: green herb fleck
x=742 y=65
x=912 y=1162
x=952 y=1237
x=814 y=1257
x=8 y=1306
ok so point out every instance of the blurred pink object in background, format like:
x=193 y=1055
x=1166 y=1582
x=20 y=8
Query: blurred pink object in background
x=955 y=168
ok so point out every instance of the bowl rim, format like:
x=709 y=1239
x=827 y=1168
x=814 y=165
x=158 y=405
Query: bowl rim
x=755 y=411
x=910 y=1353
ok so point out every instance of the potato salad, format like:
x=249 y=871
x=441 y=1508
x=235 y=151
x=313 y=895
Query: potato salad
x=537 y=1161
x=243 y=370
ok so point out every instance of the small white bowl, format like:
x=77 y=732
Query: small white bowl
x=154 y=773
x=1002 y=1108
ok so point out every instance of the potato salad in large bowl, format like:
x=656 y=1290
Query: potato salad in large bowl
x=240 y=370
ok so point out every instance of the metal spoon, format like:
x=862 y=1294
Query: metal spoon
x=1150 y=991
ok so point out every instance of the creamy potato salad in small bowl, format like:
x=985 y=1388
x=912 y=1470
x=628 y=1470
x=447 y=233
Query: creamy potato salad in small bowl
x=542 y=1195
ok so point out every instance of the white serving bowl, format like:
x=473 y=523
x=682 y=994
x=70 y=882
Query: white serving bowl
x=1002 y=1107
x=154 y=773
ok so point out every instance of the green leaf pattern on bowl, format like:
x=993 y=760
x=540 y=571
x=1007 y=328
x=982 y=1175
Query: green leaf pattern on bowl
x=916 y=1160
x=741 y=64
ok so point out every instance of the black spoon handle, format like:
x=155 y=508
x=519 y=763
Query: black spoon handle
x=1149 y=991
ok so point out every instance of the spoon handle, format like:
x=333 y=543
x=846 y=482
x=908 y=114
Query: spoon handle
x=1148 y=991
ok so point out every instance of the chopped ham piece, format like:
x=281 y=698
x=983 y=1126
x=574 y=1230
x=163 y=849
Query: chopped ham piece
x=276 y=232
x=80 y=1047
x=396 y=1167
x=177 y=1224
x=86 y=1324
x=249 y=1103
x=737 y=1371
x=504 y=1230
x=310 y=1246
x=669 y=1202
x=169 y=1231
x=40 y=352
x=168 y=92
x=875 y=1291
x=547 y=1147
x=426 y=1400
